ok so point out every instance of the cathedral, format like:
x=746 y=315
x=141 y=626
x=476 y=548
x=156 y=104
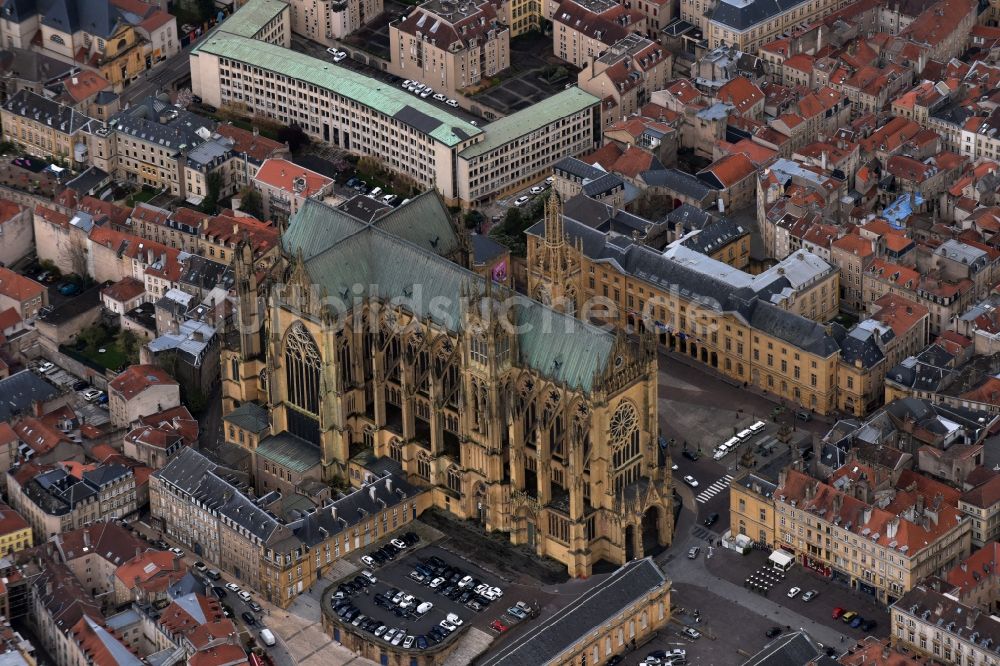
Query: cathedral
x=374 y=341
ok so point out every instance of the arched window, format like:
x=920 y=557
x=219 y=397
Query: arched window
x=302 y=365
x=234 y=369
x=624 y=434
x=424 y=466
x=455 y=478
x=396 y=450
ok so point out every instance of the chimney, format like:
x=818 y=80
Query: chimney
x=371 y=492
x=163 y=258
x=255 y=131
x=333 y=512
x=149 y=255
x=86 y=538
x=388 y=483
x=138 y=551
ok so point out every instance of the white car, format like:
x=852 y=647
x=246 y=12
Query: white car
x=520 y=201
x=232 y=587
x=244 y=595
x=537 y=189
x=177 y=551
x=91 y=394
x=794 y=592
x=691 y=632
x=340 y=57
x=454 y=619
x=398 y=543
x=407 y=642
x=447 y=626
x=332 y=51
x=406 y=84
x=398 y=638
x=418 y=87
x=424 y=608
x=369 y=575
x=46 y=367
x=481 y=588
x=368 y=560
x=439 y=97
x=550 y=180
x=691 y=481
x=436 y=583
x=426 y=93
x=387 y=636
x=496 y=591
x=452 y=103
x=465 y=582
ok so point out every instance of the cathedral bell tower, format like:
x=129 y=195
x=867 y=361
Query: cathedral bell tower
x=554 y=273
x=241 y=357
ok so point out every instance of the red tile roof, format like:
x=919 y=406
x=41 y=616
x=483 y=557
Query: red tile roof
x=138 y=378
x=124 y=290
x=11 y=521
x=258 y=148
x=741 y=93
x=977 y=569
x=219 y=655
x=281 y=174
x=854 y=244
x=38 y=436
x=9 y=318
x=17 y=287
x=731 y=169
x=984 y=496
x=84 y=85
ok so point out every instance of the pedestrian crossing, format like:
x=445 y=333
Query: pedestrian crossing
x=704 y=534
x=714 y=489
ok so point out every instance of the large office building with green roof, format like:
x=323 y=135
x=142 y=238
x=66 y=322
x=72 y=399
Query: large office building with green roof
x=467 y=164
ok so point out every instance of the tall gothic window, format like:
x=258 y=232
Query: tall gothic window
x=302 y=366
x=625 y=446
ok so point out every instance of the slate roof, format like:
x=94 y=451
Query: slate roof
x=485 y=249
x=181 y=131
x=677 y=181
x=367 y=256
x=289 y=451
x=250 y=417
x=717 y=235
x=196 y=476
x=20 y=391
x=740 y=14
x=59 y=116
x=547 y=639
x=792 y=649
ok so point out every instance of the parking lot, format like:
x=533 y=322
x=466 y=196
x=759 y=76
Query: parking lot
x=522 y=85
x=448 y=596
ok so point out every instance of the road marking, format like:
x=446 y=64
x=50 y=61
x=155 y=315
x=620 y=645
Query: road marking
x=714 y=489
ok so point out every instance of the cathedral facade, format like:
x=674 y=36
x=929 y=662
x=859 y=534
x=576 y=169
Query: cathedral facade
x=373 y=341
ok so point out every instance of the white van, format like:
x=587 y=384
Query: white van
x=424 y=608
x=374 y=193
x=267 y=638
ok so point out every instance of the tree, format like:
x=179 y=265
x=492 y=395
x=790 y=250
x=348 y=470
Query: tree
x=130 y=346
x=92 y=338
x=293 y=136
x=214 y=184
x=251 y=203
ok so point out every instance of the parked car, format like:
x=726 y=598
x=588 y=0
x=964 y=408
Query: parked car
x=244 y=595
x=537 y=189
x=332 y=51
x=454 y=619
x=340 y=56
x=868 y=625
x=691 y=632
x=848 y=617
x=254 y=606
x=406 y=84
x=517 y=612
x=452 y=103
x=46 y=367
x=92 y=394
x=200 y=566
x=80 y=385
x=69 y=289
x=370 y=576
x=520 y=201
x=368 y=560
x=389 y=199
x=693 y=552
x=177 y=551
x=220 y=593
x=810 y=595
x=213 y=574
x=232 y=587
x=248 y=618
x=498 y=626
x=408 y=642
x=794 y=592
x=439 y=97
x=856 y=622
x=690 y=455
x=837 y=612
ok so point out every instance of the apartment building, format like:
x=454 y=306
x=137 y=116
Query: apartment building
x=151 y=140
x=245 y=538
x=935 y=624
x=284 y=186
x=465 y=163
x=449 y=46
x=267 y=21
x=583 y=29
x=22 y=293
x=748 y=25
x=945 y=298
x=982 y=505
x=324 y=21
x=55 y=499
x=896 y=328
x=883 y=549
x=15 y=532
x=139 y=391
x=47 y=129
x=625 y=75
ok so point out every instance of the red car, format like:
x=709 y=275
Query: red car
x=837 y=612
x=498 y=626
